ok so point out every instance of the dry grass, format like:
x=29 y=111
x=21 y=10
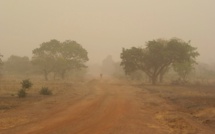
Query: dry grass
x=197 y=102
x=177 y=107
x=34 y=103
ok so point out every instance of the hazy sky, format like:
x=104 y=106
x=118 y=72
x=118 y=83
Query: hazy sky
x=103 y=27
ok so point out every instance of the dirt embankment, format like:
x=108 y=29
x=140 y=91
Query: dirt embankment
x=105 y=107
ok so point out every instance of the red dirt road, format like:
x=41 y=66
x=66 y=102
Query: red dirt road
x=113 y=108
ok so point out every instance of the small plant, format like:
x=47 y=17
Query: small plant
x=45 y=91
x=26 y=84
x=22 y=93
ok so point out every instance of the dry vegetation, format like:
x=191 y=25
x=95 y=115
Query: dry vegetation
x=15 y=111
x=106 y=106
x=189 y=104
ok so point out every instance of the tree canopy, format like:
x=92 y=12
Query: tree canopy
x=59 y=57
x=157 y=57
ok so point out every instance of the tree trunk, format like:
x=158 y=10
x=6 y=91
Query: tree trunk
x=162 y=73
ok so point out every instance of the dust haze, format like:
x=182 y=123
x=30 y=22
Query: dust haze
x=104 y=27
x=107 y=66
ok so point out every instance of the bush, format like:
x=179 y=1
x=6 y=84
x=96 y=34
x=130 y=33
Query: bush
x=26 y=84
x=22 y=93
x=45 y=91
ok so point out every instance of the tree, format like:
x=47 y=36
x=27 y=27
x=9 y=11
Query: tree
x=17 y=64
x=157 y=57
x=57 y=57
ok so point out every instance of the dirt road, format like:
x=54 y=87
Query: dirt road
x=112 y=108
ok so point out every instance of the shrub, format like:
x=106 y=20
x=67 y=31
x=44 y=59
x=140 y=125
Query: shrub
x=26 y=84
x=45 y=91
x=22 y=93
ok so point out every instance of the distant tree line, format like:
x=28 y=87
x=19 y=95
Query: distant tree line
x=154 y=61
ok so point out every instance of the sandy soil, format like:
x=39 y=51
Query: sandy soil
x=106 y=107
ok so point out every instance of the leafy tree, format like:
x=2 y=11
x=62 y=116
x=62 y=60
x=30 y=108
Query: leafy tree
x=157 y=57
x=132 y=59
x=57 y=57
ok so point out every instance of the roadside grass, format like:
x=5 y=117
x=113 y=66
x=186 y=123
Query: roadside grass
x=10 y=85
x=197 y=101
